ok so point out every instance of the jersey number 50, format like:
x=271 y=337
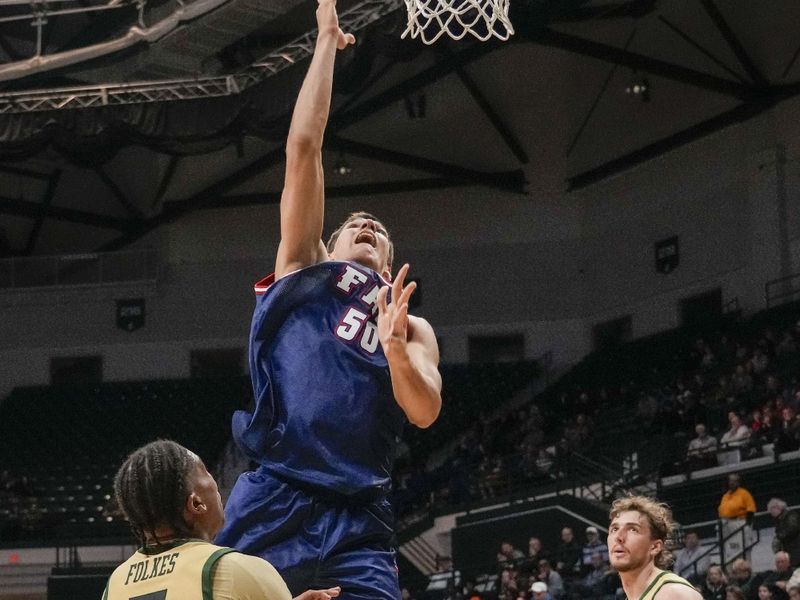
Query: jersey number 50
x=357 y=323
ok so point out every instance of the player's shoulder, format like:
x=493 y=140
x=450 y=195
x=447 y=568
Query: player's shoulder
x=674 y=587
x=252 y=574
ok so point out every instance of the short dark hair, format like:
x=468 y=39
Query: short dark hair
x=150 y=488
x=358 y=215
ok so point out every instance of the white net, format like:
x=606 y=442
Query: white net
x=431 y=19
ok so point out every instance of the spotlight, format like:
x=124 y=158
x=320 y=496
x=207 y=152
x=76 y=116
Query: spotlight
x=342 y=165
x=639 y=88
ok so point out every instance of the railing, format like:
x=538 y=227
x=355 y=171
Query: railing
x=573 y=474
x=78 y=269
x=782 y=290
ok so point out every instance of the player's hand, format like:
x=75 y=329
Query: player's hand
x=328 y=21
x=319 y=594
x=393 y=317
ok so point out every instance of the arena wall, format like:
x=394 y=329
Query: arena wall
x=549 y=265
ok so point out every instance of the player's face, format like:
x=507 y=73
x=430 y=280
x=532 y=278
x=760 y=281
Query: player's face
x=366 y=242
x=208 y=515
x=629 y=544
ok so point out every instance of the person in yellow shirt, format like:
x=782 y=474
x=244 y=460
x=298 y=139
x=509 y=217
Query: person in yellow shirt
x=638 y=537
x=736 y=510
x=174 y=508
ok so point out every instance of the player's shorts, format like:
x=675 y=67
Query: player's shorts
x=314 y=540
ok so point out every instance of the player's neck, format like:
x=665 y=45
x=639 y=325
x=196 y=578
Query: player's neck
x=635 y=582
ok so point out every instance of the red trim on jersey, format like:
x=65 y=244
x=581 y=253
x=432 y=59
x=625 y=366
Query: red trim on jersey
x=263 y=285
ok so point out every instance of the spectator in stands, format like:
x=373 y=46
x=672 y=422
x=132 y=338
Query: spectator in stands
x=742 y=576
x=736 y=510
x=692 y=562
x=794 y=582
x=702 y=450
x=568 y=555
x=594 y=584
x=734 y=593
x=788 y=435
x=715 y=585
x=787 y=530
x=174 y=508
x=593 y=546
x=509 y=557
x=546 y=574
x=539 y=590
x=544 y=462
x=742 y=381
x=781 y=575
x=737 y=434
x=765 y=592
x=530 y=563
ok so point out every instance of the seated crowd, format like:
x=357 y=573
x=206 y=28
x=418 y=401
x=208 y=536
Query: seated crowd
x=571 y=570
x=737 y=392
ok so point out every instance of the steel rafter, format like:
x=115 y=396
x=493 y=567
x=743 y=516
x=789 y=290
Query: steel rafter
x=47 y=199
x=499 y=124
x=654 y=66
x=123 y=200
x=341 y=191
x=90 y=96
x=513 y=181
x=34 y=210
x=734 y=43
x=337 y=122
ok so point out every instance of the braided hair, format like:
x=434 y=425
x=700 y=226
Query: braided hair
x=150 y=488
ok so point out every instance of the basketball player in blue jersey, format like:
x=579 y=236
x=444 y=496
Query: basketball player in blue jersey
x=338 y=365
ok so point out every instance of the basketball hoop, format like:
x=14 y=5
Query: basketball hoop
x=431 y=19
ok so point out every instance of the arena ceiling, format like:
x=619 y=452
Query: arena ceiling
x=118 y=116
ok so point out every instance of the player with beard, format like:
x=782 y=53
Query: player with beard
x=637 y=548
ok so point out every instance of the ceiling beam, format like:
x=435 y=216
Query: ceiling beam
x=734 y=43
x=740 y=113
x=399 y=91
x=700 y=48
x=512 y=181
x=494 y=117
x=595 y=103
x=355 y=190
x=119 y=194
x=174 y=210
x=47 y=199
x=166 y=180
x=635 y=9
x=639 y=62
x=32 y=210
x=337 y=122
x=6 y=168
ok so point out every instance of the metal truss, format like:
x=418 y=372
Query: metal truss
x=355 y=19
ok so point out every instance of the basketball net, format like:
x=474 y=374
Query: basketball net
x=431 y=19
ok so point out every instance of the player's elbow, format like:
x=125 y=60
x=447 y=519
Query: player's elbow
x=302 y=145
x=426 y=417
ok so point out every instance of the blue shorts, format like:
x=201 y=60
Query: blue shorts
x=314 y=541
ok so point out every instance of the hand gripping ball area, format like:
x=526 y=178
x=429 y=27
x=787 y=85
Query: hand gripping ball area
x=431 y=19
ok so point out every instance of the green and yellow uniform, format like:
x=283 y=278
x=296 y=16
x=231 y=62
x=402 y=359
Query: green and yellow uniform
x=663 y=578
x=194 y=570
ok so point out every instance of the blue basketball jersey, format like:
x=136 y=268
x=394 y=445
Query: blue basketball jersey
x=324 y=412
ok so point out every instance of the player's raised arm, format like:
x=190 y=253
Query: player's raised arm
x=303 y=198
x=412 y=352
